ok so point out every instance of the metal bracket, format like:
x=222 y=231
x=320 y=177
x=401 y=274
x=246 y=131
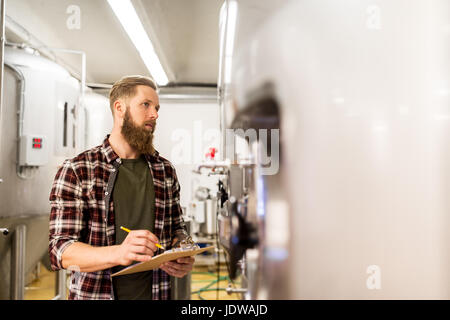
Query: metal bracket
x=231 y=290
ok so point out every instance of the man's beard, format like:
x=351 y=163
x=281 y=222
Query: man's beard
x=138 y=137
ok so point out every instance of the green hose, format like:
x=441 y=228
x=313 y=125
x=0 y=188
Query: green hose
x=206 y=288
x=211 y=283
x=205 y=273
x=217 y=289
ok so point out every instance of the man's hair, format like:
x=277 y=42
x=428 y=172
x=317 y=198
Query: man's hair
x=126 y=88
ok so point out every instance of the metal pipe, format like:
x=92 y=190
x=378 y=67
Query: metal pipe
x=2 y=60
x=171 y=95
x=190 y=84
x=181 y=287
x=225 y=165
x=2 y=51
x=60 y=285
x=97 y=85
x=34 y=43
x=187 y=97
x=231 y=290
x=17 y=285
x=83 y=64
x=20 y=113
x=21 y=79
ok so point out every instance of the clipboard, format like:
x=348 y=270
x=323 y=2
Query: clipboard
x=156 y=261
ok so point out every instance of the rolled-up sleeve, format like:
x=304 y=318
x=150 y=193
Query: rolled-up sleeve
x=66 y=215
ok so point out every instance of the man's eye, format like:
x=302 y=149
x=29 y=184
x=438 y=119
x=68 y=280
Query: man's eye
x=146 y=104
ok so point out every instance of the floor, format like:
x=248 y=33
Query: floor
x=43 y=288
x=204 y=285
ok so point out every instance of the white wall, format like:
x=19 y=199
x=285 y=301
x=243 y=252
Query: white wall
x=184 y=132
x=99 y=119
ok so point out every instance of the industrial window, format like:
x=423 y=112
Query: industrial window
x=65 y=126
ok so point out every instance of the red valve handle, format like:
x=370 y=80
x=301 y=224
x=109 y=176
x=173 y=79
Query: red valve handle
x=211 y=154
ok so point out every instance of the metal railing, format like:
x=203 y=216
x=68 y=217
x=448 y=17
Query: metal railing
x=18 y=254
x=17 y=285
x=60 y=285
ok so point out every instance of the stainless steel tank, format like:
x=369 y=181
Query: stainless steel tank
x=358 y=208
x=40 y=98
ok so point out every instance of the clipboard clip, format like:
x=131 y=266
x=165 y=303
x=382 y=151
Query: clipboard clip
x=188 y=244
x=185 y=244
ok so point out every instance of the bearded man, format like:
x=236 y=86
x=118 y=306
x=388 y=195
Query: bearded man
x=123 y=182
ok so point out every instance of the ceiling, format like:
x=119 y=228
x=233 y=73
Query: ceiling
x=185 y=34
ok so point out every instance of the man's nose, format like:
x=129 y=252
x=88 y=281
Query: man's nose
x=153 y=113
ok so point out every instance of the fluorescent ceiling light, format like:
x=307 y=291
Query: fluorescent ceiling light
x=130 y=21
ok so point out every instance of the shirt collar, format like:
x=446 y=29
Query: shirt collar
x=153 y=157
x=111 y=155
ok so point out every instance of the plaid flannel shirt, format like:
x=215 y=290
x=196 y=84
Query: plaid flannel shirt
x=80 y=193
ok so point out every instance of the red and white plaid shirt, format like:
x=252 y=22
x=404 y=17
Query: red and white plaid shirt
x=80 y=193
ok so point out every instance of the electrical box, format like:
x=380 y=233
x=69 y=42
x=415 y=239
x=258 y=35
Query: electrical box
x=33 y=150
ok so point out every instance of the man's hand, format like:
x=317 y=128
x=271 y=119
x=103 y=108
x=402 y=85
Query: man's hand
x=178 y=268
x=139 y=245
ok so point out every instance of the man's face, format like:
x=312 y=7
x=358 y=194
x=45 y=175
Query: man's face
x=139 y=121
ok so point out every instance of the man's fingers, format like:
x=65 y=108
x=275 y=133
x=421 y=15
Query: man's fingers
x=142 y=238
x=139 y=257
x=186 y=260
x=143 y=250
x=173 y=272
x=144 y=243
x=179 y=266
x=144 y=234
x=172 y=265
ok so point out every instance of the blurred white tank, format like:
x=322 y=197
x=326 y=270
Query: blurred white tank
x=51 y=108
x=361 y=196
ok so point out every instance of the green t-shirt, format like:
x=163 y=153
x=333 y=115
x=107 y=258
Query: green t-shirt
x=134 y=208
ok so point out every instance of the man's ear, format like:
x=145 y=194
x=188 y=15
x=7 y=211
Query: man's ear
x=119 y=108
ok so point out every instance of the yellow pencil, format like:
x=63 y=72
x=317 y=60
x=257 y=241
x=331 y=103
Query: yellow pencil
x=128 y=230
x=125 y=229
